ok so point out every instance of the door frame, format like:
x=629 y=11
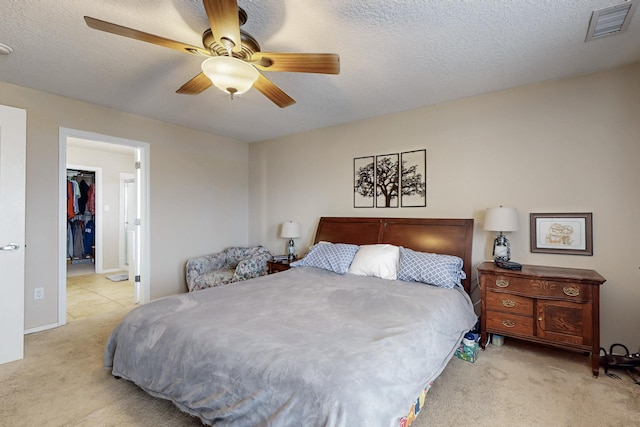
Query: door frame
x=143 y=155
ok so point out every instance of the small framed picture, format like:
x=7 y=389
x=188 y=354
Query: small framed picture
x=561 y=233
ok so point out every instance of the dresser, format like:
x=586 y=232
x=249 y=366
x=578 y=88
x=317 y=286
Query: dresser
x=547 y=305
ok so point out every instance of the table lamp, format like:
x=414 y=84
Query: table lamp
x=290 y=230
x=501 y=219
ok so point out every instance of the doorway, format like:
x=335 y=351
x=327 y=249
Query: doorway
x=95 y=284
x=138 y=272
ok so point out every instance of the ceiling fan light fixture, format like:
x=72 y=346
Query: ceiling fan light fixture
x=230 y=75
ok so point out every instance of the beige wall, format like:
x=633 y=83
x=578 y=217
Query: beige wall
x=198 y=191
x=112 y=164
x=565 y=146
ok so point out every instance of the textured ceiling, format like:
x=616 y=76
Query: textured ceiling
x=395 y=55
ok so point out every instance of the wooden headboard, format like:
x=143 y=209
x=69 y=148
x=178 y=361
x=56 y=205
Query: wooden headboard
x=440 y=236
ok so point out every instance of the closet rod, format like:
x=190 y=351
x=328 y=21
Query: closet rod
x=73 y=173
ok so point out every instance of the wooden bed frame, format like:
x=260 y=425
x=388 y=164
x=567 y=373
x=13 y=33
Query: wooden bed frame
x=434 y=235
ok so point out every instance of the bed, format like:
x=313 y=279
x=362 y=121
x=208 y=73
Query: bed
x=310 y=346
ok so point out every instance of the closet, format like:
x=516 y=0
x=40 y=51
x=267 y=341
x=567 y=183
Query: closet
x=81 y=210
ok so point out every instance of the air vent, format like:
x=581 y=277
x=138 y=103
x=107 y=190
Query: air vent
x=611 y=20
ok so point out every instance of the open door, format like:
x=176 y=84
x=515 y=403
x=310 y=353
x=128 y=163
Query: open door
x=130 y=215
x=13 y=131
x=137 y=232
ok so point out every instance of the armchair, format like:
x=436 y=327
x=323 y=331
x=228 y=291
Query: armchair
x=231 y=265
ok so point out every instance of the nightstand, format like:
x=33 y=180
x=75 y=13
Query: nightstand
x=277 y=266
x=547 y=305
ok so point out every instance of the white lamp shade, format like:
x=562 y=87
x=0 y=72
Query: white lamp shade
x=501 y=219
x=290 y=230
x=229 y=74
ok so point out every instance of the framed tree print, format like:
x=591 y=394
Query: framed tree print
x=387 y=180
x=364 y=182
x=413 y=179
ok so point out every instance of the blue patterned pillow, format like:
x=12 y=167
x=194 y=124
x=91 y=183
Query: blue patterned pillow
x=444 y=271
x=334 y=257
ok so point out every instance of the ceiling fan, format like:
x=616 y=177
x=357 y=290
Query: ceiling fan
x=234 y=61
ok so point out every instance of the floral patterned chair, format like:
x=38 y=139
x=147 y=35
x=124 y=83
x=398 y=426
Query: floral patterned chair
x=231 y=265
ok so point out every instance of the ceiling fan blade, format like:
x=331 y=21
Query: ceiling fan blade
x=324 y=63
x=224 y=22
x=196 y=85
x=108 y=27
x=273 y=92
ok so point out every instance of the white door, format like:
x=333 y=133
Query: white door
x=129 y=214
x=13 y=127
x=136 y=245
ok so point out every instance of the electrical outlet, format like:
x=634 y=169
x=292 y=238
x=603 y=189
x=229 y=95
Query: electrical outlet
x=38 y=293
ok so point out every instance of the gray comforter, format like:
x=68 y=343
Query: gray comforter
x=302 y=347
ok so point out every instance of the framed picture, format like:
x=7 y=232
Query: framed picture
x=562 y=233
x=387 y=180
x=413 y=178
x=364 y=187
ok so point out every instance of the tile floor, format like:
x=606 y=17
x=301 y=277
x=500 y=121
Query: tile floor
x=89 y=293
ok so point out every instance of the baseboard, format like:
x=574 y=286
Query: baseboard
x=41 y=328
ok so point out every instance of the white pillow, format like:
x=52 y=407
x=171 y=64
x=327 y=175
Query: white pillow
x=376 y=260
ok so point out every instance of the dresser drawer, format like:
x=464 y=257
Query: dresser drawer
x=509 y=323
x=539 y=288
x=499 y=301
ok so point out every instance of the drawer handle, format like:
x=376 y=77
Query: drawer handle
x=509 y=323
x=502 y=283
x=508 y=303
x=571 y=291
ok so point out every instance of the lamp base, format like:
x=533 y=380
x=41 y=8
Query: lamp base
x=501 y=248
x=291 y=251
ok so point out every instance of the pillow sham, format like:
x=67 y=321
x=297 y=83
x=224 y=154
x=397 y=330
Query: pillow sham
x=444 y=271
x=334 y=257
x=376 y=260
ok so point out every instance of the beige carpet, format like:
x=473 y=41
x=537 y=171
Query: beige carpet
x=61 y=382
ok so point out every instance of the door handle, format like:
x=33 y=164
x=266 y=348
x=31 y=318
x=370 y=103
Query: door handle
x=10 y=247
